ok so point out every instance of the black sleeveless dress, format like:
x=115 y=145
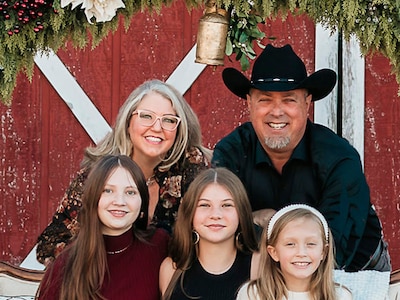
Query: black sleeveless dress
x=200 y=284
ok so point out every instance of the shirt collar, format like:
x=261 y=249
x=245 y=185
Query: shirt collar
x=300 y=152
x=261 y=155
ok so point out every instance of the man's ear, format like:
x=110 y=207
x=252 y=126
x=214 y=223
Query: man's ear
x=272 y=252
x=248 y=100
x=308 y=100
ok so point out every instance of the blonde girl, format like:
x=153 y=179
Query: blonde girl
x=297 y=259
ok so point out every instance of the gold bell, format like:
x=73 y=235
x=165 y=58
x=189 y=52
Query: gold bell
x=211 y=36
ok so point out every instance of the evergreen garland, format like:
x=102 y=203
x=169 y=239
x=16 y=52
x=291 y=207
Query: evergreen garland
x=28 y=27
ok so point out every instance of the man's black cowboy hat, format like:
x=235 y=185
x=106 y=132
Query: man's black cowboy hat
x=280 y=69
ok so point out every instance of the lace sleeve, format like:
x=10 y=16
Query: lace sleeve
x=195 y=162
x=64 y=225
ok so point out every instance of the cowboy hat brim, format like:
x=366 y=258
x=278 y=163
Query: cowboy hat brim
x=319 y=84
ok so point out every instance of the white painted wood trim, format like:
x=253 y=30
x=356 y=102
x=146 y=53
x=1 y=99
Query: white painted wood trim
x=73 y=95
x=82 y=107
x=30 y=261
x=353 y=88
x=326 y=56
x=353 y=116
x=187 y=72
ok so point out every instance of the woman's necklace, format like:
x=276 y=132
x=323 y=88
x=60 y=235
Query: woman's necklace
x=151 y=180
x=119 y=251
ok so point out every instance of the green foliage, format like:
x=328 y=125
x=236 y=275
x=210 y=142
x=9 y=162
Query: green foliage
x=242 y=33
x=17 y=51
x=375 y=23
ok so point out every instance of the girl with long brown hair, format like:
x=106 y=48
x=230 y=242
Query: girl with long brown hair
x=115 y=255
x=211 y=250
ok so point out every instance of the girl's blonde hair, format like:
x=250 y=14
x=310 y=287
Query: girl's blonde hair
x=271 y=283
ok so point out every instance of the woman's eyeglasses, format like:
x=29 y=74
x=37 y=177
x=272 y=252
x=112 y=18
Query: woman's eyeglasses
x=149 y=118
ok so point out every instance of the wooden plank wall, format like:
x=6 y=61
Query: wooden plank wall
x=42 y=142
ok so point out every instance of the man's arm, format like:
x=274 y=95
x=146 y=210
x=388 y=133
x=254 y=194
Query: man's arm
x=345 y=204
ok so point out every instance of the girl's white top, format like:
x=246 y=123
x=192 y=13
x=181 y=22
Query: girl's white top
x=342 y=294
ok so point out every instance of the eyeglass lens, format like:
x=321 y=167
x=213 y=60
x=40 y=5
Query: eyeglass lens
x=148 y=118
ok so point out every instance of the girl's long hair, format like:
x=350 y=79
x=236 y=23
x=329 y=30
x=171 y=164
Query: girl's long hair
x=182 y=248
x=270 y=284
x=118 y=140
x=86 y=263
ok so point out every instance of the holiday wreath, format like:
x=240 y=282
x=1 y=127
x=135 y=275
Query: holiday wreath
x=31 y=26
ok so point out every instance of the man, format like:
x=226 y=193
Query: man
x=284 y=158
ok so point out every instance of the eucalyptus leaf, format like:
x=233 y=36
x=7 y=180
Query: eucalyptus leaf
x=229 y=47
x=243 y=38
x=244 y=63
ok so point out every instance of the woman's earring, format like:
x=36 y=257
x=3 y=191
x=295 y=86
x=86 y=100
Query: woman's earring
x=239 y=239
x=141 y=215
x=195 y=236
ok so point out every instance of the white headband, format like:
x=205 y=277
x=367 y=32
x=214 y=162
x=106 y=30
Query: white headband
x=291 y=207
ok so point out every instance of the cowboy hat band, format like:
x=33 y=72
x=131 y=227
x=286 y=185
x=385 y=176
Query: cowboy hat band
x=280 y=69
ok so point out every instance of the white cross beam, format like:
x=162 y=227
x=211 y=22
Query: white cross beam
x=83 y=108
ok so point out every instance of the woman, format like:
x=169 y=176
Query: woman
x=156 y=128
x=210 y=253
x=114 y=256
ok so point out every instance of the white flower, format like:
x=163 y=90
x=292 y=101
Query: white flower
x=75 y=3
x=102 y=10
